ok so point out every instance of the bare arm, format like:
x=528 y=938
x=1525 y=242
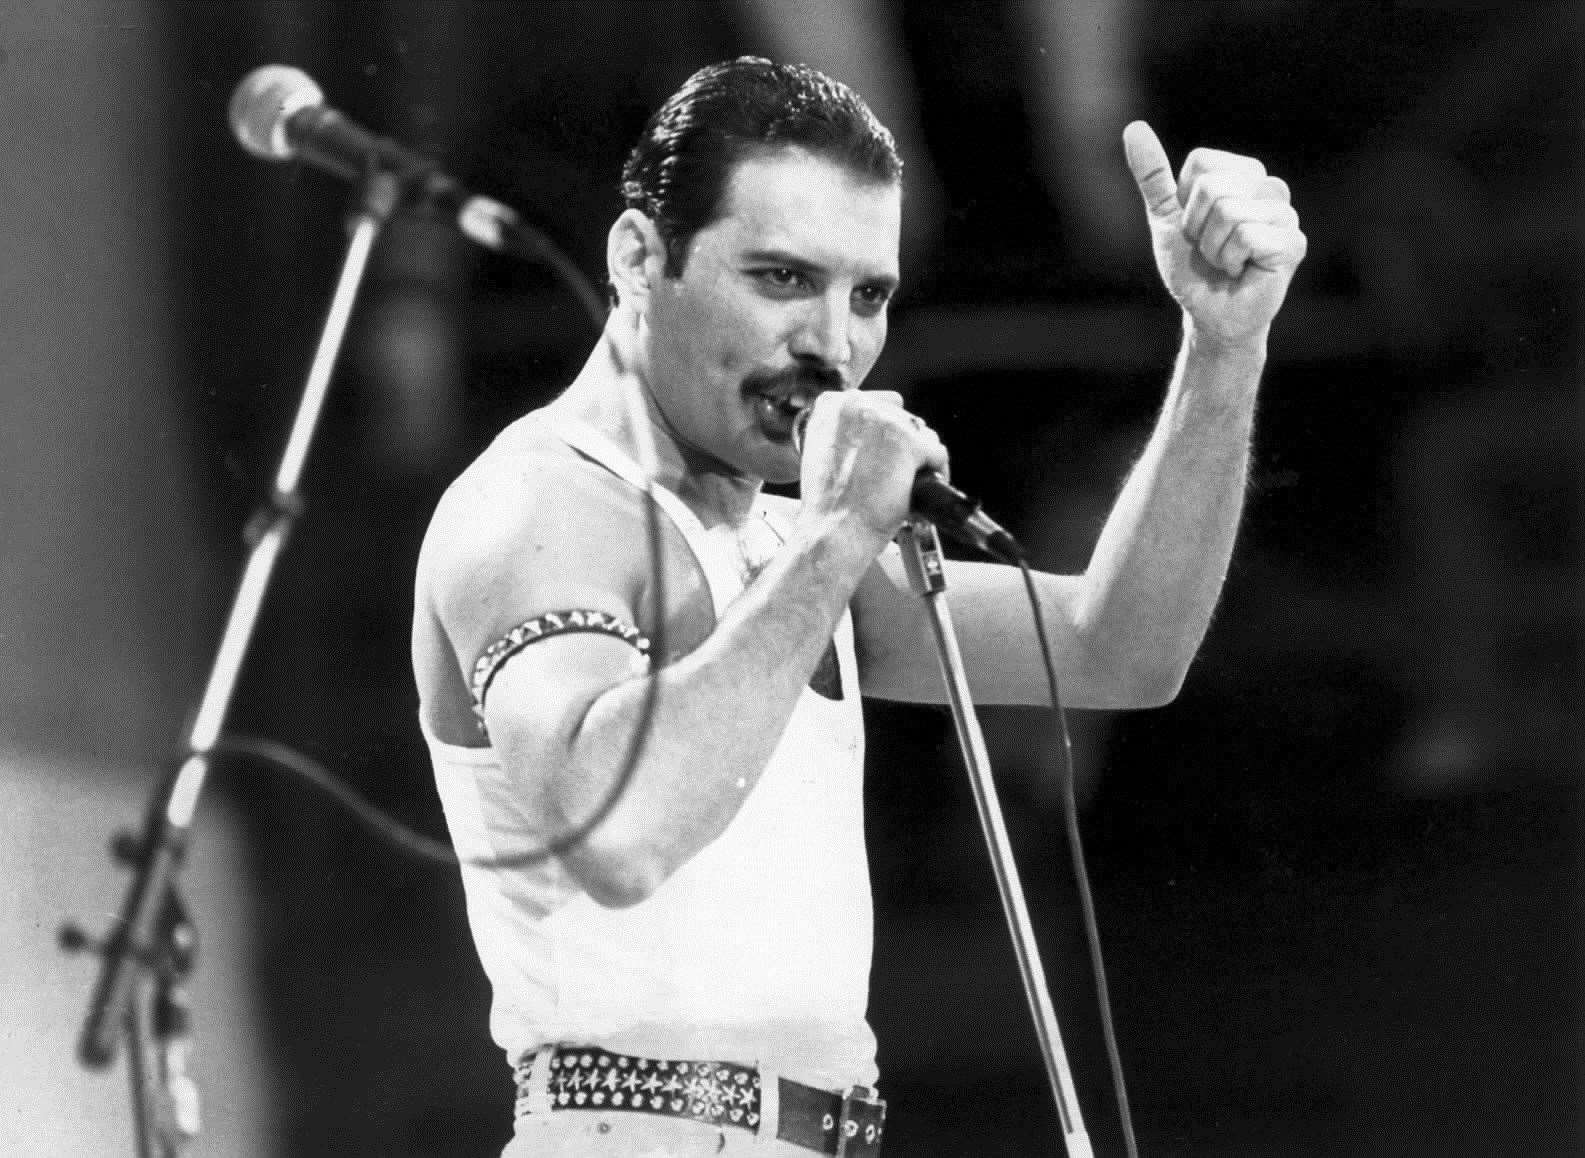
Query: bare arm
x=1226 y=242
x=562 y=712
x=720 y=711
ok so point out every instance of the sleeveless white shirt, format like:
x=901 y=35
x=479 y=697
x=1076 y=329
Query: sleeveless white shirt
x=756 y=951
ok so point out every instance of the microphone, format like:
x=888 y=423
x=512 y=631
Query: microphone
x=937 y=501
x=279 y=113
x=954 y=513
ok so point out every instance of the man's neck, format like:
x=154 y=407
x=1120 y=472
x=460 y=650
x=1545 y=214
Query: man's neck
x=611 y=396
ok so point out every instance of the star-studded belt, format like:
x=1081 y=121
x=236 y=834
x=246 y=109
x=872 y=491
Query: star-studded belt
x=566 y=1077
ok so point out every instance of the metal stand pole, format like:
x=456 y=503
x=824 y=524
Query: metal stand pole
x=921 y=550
x=126 y=998
x=158 y=1025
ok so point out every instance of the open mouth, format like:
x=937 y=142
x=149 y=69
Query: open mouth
x=780 y=398
x=778 y=416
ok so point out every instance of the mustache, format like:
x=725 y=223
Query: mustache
x=801 y=379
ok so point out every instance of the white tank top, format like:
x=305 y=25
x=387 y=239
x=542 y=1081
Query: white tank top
x=755 y=951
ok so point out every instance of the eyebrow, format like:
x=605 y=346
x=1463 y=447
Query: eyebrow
x=780 y=257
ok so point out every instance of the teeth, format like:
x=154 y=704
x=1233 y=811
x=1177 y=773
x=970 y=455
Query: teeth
x=787 y=411
x=800 y=423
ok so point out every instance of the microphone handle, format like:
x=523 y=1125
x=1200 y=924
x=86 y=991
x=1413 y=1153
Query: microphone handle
x=325 y=138
x=938 y=501
x=956 y=514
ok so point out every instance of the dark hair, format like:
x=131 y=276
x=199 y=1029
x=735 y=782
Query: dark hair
x=727 y=112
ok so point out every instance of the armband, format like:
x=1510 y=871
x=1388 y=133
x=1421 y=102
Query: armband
x=543 y=627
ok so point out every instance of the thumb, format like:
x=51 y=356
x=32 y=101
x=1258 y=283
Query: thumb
x=1147 y=160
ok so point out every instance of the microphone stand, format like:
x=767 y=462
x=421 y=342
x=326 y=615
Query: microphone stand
x=921 y=550
x=148 y=954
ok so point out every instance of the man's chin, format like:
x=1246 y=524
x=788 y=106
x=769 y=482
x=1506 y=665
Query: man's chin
x=782 y=465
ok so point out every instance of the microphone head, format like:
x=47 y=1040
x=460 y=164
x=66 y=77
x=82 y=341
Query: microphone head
x=264 y=102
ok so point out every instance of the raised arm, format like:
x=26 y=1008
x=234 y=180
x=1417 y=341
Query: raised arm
x=1226 y=243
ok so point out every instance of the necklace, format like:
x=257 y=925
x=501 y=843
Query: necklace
x=753 y=543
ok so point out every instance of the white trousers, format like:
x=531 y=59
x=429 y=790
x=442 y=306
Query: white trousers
x=593 y=1134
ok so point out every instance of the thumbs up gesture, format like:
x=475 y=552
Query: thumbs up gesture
x=1226 y=238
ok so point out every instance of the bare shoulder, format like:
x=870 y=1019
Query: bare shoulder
x=530 y=526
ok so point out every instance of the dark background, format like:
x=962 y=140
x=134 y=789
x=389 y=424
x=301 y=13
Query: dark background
x=1337 y=880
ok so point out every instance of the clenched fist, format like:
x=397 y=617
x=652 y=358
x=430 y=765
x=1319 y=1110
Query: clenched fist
x=1226 y=238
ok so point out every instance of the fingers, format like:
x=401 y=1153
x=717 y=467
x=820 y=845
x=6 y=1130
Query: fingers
x=926 y=443
x=1274 y=187
x=1224 y=232
x=884 y=409
x=1206 y=176
x=1234 y=212
x=1270 y=247
x=1217 y=196
x=827 y=407
x=1147 y=160
x=1216 y=228
x=863 y=456
x=931 y=450
x=1202 y=161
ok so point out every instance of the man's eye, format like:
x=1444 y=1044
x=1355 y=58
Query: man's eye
x=782 y=278
x=871 y=297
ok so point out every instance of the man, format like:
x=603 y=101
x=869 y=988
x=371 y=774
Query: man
x=709 y=902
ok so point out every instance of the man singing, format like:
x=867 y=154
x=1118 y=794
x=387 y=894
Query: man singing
x=689 y=973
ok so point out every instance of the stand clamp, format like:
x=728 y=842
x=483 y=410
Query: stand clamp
x=146 y=958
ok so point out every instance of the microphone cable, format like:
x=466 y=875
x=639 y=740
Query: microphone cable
x=1070 y=816
x=515 y=238
x=648 y=708
x=282 y=757
x=505 y=231
x=411 y=843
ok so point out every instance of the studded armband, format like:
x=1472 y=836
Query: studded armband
x=543 y=627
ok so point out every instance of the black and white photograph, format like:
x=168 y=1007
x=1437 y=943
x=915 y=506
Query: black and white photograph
x=926 y=578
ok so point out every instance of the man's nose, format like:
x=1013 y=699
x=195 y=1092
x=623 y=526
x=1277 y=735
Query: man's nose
x=823 y=332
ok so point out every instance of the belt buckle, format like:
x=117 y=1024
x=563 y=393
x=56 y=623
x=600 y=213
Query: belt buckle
x=862 y=1121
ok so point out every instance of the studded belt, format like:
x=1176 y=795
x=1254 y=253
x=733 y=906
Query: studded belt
x=557 y=1078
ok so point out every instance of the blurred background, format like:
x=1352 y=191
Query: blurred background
x=1337 y=881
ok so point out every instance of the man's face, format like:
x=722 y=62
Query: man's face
x=784 y=295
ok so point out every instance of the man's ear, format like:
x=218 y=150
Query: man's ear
x=634 y=256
